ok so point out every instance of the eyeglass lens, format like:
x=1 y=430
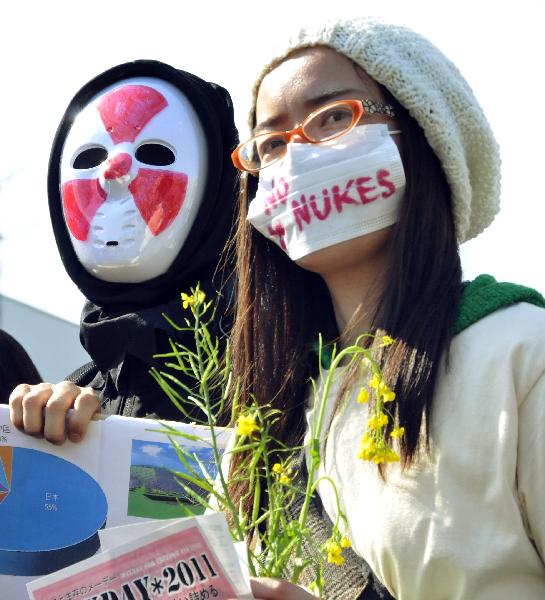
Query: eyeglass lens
x=330 y=122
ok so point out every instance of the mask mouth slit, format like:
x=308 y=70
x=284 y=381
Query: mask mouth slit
x=112 y=243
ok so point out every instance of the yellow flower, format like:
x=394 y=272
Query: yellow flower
x=385 y=455
x=363 y=396
x=284 y=479
x=367 y=447
x=388 y=395
x=377 y=451
x=382 y=419
x=397 y=432
x=387 y=340
x=374 y=382
x=345 y=542
x=378 y=421
x=334 y=554
x=391 y=456
x=246 y=425
x=193 y=299
x=383 y=390
x=285 y=475
x=187 y=300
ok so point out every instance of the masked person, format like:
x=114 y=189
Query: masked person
x=370 y=161
x=141 y=194
x=15 y=366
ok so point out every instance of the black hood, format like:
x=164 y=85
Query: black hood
x=200 y=252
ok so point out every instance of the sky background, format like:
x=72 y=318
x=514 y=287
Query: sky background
x=159 y=454
x=49 y=50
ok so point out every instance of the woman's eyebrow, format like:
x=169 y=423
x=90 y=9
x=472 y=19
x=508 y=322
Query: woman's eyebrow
x=332 y=95
x=268 y=124
x=310 y=103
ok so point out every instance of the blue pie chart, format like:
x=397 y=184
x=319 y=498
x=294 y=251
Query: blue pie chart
x=50 y=512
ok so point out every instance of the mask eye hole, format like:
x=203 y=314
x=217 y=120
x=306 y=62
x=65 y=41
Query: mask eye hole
x=90 y=157
x=155 y=154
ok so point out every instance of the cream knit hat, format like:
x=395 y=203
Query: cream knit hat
x=435 y=94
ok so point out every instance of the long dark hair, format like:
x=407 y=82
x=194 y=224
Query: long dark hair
x=281 y=308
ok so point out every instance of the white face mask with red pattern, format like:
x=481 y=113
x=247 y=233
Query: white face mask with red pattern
x=319 y=195
x=133 y=170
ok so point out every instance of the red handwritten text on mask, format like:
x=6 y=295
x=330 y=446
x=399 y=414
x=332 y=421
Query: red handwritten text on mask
x=279 y=195
x=277 y=230
x=356 y=191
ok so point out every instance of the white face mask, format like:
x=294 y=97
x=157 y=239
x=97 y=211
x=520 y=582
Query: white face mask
x=319 y=195
x=133 y=170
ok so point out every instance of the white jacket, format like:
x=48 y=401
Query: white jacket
x=468 y=521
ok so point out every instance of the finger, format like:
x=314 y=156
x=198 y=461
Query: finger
x=267 y=588
x=33 y=404
x=16 y=404
x=86 y=405
x=60 y=402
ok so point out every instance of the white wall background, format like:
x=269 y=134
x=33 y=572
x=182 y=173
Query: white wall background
x=48 y=50
x=52 y=343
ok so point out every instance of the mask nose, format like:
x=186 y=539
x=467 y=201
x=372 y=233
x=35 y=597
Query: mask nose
x=118 y=166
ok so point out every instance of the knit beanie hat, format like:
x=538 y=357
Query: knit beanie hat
x=434 y=93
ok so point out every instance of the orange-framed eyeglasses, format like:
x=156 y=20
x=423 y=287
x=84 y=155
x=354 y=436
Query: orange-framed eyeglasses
x=327 y=123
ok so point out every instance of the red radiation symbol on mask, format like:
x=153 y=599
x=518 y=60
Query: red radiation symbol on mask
x=158 y=194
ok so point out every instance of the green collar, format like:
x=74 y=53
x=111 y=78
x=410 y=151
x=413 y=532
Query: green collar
x=480 y=297
x=484 y=295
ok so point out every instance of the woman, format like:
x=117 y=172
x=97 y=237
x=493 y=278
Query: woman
x=373 y=162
